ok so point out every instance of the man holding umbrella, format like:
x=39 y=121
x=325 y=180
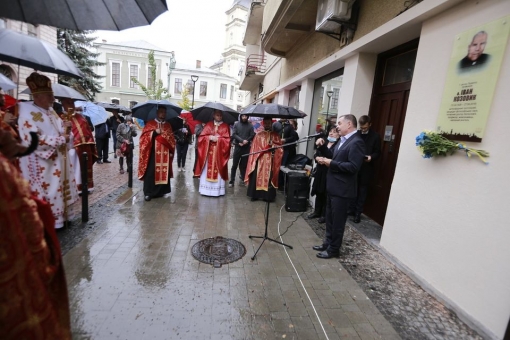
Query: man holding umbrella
x=157 y=146
x=47 y=170
x=263 y=167
x=213 y=156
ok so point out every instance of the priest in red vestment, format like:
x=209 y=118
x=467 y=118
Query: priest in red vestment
x=33 y=291
x=263 y=168
x=157 y=146
x=213 y=156
x=83 y=140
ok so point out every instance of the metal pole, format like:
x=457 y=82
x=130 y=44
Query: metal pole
x=129 y=161
x=84 y=188
x=193 y=100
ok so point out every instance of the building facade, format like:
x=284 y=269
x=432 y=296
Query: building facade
x=443 y=219
x=125 y=61
x=209 y=85
x=233 y=58
x=19 y=74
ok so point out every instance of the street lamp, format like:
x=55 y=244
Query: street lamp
x=329 y=94
x=194 y=80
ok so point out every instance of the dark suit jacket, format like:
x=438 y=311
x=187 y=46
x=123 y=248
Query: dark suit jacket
x=373 y=149
x=344 y=167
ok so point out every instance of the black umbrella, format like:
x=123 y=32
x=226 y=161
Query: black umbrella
x=61 y=91
x=24 y=50
x=205 y=113
x=111 y=107
x=82 y=15
x=148 y=110
x=273 y=111
x=176 y=122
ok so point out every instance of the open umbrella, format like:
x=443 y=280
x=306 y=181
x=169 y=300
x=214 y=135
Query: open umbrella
x=273 y=111
x=176 y=122
x=85 y=15
x=148 y=110
x=62 y=91
x=6 y=84
x=111 y=106
x=205 y=113
x=24 y=50
x=96 y=113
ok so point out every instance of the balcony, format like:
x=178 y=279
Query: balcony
x=254 y=24
x=254 y=72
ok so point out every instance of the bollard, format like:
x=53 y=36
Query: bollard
x=84 y=188
x=129 y=161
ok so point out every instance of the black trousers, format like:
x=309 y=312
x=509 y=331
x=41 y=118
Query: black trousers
x=239 y=161
x=102 y=145
x=182 y=151
x=320 y=204
x=336 y=217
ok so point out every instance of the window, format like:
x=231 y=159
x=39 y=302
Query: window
x=223 y=91
x=115 y=101
x=178 y=86
x=116 y=74
x=150 y=81
x=189 y=85
x=231 y=92
x=132 y=103
x=203 y=88
x=133 y=73
x=334 y=99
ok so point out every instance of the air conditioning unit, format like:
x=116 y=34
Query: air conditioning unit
x=331 y=11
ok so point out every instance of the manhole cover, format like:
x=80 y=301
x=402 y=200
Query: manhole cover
x=218 y=250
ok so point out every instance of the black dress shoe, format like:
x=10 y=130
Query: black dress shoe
x=357 y=218
x=327 y=255
x=313 y=215
x=147 y=198
x=99 y=162
x=320 y=248
x=321 y=220
x=107 y=161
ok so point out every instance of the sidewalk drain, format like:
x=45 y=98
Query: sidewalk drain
x=218 y=250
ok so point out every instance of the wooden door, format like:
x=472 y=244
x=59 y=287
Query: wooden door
x=387 y=111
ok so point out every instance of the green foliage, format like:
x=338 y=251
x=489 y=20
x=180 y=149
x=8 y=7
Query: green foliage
x=185 y=103
x=76 y=45
x=155 y=89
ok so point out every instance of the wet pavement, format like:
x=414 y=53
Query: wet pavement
x=131 y=274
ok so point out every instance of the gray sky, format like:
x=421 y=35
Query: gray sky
x=194 y=29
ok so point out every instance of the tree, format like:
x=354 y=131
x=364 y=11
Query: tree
x=185 y=102
x=154 y=89
x=76 y=45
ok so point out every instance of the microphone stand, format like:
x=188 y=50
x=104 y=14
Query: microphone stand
x=272 y=150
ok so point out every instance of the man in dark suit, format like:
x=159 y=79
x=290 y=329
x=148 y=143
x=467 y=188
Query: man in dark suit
x=372 y=152
x=341 y=184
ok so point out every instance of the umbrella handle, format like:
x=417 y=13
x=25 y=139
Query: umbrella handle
x=34 y=142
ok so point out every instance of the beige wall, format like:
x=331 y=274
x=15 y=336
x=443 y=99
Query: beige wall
x=374 y=13
x=447 y=218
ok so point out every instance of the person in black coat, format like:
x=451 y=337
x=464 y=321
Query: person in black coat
x=342 y=181
x=102 y=136
x=366 y=173
x=183 y=139
x=320 y=173
x=113 y=122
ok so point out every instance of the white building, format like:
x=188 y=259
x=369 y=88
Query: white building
x=234 y=53
x=210 y=85
x=445 y=219
x=124 y=61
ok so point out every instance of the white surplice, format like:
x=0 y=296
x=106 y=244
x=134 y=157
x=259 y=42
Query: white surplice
x=49 y=164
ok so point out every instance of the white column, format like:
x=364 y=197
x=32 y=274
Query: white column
x=357 y=84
